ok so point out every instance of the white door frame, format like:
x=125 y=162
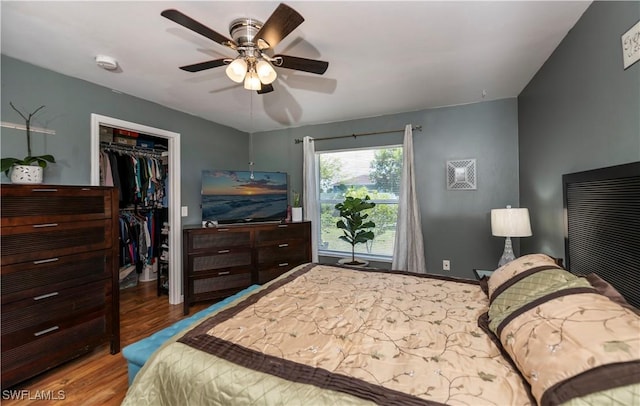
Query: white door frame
x=175 y=221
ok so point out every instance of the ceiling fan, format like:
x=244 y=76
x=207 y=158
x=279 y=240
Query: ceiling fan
x=253 y=41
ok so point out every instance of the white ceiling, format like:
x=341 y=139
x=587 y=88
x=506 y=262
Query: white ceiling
x=384 y=57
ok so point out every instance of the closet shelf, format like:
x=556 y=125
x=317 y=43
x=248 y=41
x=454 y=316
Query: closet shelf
x=23 y=127
x=112 y=146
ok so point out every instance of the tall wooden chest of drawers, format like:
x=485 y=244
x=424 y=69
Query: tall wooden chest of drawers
x=221 y=261
x=59 y=286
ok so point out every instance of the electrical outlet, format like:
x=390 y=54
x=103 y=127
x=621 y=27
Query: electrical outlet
x=446 y=265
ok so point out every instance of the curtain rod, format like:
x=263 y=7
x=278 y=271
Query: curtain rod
x=416 y=128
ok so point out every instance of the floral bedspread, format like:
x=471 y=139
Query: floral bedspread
x=390 y=338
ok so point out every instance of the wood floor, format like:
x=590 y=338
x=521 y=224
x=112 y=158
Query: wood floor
x=99 y=378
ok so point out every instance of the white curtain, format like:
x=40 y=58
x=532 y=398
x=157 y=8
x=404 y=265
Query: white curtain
x=310 y=206
x=408 y=252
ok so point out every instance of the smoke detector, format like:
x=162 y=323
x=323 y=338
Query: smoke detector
x=106 y=62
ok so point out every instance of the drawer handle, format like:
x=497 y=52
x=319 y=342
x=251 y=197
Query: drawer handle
x=283 y=225
x=223 y=229
x=224 y=273
x=46 y=296
x=44 y=190
x=223 y=251
x=45 y=331
x=283 y=264
x=283 y=245
x=45 y=225
x=45 y=261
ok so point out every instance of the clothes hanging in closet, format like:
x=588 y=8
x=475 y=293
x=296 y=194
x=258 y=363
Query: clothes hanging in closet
x=139 y=179
x=140 y=237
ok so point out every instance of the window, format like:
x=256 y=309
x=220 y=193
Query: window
x=374 y=172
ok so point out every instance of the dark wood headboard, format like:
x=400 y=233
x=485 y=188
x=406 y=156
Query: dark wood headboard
x=602 y=226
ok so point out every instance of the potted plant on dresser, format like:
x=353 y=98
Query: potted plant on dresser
x=296 y=207
x=29 y=170
x=354 y=225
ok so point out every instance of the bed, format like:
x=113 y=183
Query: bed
x=330 y=335
x=532 y=333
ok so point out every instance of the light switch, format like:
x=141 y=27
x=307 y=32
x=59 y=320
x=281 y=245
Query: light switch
x=185 y=211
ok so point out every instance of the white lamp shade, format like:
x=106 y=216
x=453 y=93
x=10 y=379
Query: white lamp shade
x=237 y=70
x=510 y=222
x=266 y=73
x=252 y=82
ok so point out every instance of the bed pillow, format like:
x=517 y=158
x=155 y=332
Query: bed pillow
x=530 y=287
x=566 y=339
x=518 y=269
x=604 y=288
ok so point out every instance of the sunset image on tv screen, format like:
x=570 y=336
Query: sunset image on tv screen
x=230 y=196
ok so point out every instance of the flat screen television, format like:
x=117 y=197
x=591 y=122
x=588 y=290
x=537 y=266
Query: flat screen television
x=236 y=197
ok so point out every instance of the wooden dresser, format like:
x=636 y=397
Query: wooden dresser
x=221 y=261
x=59 y=275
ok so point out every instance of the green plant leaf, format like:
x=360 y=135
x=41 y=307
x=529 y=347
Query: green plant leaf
x=48 y=158
x=7 y=163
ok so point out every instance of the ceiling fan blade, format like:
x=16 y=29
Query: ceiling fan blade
x=280 y=24
x=303 y=64
x=197 y=67
x=266 y=89
x=193 y=25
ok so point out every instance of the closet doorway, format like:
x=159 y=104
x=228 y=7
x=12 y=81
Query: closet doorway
x=173 y=194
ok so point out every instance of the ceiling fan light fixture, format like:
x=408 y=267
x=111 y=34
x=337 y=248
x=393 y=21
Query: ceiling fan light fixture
x=265 y=72
x=252 y=81
x=250 y=40
x=237 y=70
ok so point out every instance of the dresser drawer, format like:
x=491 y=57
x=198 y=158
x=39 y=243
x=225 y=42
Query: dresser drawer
x=47 y=276
x=268 y=273
x=53 y=348
x=222 y=259
x=293 y=252
x=218 y=238
x=49 y=240
x=26 y=320
x=282 y=232
x=211 y=287
x=44 y=204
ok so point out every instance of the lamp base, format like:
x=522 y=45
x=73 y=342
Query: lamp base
x=507 y=254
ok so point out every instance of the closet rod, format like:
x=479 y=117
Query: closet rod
x=135 y=149
x=416 y=128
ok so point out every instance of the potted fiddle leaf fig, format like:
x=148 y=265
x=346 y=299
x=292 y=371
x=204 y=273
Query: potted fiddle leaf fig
x=30 y=169
x=354 y=224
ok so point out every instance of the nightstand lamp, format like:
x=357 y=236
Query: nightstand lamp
x=509 y=223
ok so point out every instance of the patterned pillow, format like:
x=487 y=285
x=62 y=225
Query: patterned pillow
x=568 y=341
x=519 y=269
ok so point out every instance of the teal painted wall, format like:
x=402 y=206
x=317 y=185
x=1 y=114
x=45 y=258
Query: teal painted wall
x=69 y=103
x=456 y=224
x=581 y=111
